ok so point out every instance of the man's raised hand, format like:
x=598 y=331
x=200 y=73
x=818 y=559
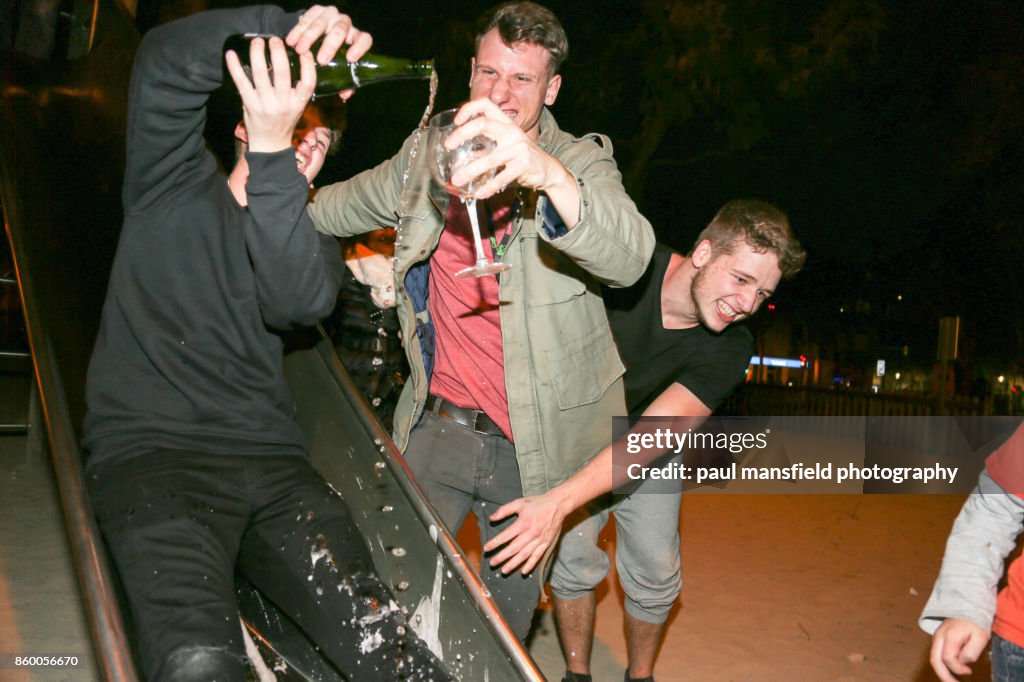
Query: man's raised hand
x=337 y=30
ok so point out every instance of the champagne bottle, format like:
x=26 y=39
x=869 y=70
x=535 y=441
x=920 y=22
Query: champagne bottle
x=338 y=75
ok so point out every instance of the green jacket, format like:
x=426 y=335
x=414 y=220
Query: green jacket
x=563 y=376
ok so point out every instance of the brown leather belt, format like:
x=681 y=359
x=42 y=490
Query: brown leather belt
x=472 y=419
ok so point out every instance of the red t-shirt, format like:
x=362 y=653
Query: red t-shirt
x=1006 y=467
x=469 y=368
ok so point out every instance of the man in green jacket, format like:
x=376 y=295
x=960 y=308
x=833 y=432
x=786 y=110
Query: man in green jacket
x=514 y=380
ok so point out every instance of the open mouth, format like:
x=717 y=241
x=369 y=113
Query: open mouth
x=301 y=161
x=726 y=311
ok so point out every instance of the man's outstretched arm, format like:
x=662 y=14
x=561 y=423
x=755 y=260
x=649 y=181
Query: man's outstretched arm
x=524 y=543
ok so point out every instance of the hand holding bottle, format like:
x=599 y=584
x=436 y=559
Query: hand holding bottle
x=336 y=29
x=336 y=73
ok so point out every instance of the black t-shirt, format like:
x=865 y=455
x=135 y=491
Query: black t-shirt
x=710 y=365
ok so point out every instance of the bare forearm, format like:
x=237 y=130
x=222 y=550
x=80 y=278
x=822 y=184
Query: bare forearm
x=593 y=480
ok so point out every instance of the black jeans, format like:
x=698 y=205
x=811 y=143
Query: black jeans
x=180 y=523
x=460 y=471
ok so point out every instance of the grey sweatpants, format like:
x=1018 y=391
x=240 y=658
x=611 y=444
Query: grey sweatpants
x=646 y=551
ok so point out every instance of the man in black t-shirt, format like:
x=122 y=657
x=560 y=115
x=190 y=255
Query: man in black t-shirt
x=683 y=357
x=658 y=352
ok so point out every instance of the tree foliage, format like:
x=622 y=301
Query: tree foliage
x=742 y=68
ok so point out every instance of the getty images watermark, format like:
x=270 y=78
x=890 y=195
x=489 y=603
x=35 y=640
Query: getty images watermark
x=806 y=454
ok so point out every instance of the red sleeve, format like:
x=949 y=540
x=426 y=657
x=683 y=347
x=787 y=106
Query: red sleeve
x=1006 y=464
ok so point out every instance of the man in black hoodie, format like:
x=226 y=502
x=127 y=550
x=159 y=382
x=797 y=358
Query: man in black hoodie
x=195 y=465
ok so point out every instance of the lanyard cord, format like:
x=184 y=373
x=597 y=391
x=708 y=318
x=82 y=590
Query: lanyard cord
x=498 y=249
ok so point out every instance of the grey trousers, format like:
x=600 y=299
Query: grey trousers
x=460 y=471
x=646 y=551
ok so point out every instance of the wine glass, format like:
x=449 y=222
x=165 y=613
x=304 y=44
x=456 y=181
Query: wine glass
x=444 y=163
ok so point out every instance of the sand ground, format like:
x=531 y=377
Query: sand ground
x=790 y=587
x=778 y=587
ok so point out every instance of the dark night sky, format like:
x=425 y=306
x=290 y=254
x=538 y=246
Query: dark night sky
x=903 y=179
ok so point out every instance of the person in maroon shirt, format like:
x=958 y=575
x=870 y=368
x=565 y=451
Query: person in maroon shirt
x=964 y=611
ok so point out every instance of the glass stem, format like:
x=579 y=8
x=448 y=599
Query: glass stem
x=475 y=222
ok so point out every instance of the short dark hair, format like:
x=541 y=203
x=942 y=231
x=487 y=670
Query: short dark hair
x=521 y=21
x=760 y=225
